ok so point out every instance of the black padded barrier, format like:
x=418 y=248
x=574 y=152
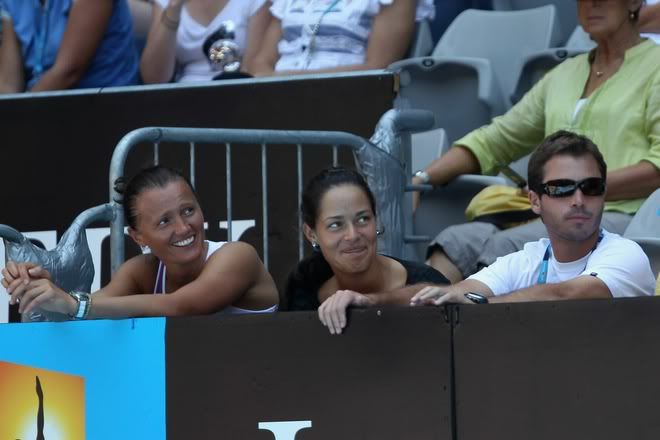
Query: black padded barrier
x=386 y=378
x=558 y=370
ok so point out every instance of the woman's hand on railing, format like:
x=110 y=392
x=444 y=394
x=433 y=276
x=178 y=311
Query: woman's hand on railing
x=332 y=312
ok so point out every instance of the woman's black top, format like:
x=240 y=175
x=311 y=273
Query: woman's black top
x=302 y=289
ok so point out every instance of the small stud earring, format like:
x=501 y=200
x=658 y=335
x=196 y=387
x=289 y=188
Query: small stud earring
x=316 y=246
x=380 y=231
x=145 y=249
x=632 y=15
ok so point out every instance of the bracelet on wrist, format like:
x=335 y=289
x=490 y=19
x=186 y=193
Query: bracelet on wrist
x=423 y=176
x=168 y=22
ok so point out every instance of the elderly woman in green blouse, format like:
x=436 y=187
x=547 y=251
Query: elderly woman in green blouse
x=611 y=94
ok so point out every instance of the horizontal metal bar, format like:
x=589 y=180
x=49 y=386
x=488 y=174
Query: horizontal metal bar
x=416 y=239
x=422 y=188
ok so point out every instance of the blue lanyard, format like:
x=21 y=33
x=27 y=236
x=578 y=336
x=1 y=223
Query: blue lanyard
x=543 y=274
x=41 y=36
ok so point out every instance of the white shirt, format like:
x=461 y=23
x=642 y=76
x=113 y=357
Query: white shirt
x=192 y=64
x=343 y=32
x=620 y=263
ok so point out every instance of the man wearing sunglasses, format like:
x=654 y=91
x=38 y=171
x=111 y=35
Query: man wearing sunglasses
x=580 y=259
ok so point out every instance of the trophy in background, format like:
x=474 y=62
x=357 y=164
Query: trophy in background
x=223 y=53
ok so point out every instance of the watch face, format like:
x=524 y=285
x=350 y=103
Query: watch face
x=476 y=298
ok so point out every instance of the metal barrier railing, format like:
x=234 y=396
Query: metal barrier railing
x=385 y=161
x=227 y=138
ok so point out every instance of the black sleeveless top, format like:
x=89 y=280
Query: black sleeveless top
x=302 y=289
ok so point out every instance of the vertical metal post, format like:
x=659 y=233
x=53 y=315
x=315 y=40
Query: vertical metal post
x=117 y=250
x=192 y=164
x=335 y=155
x=228 y=185
x=156 y=153
x=264 y=201
x=300 y=189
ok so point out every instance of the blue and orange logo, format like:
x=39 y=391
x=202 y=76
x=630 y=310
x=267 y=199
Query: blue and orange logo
x=40 y=404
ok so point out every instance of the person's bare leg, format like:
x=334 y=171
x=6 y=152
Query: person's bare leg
x=440 y=262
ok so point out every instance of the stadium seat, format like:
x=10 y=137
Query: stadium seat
x=422 y=43
x=445 y=206
x=644 y=229
x=566 y=13
x=535 y=65
x=474 y=66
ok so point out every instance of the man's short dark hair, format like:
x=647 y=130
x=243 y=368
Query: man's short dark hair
x=561 y=143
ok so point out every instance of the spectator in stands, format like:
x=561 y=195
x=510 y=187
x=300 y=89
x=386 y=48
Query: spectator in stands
x=179 y=28
x=63 y=44
x=567 y=181
x=649 y=20
x=337 y=35
x=339 y=215
x=197 y=276
x=612 y=94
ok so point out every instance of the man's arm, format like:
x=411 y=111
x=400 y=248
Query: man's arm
x=398 y=297
x=582 y=287
x=454 y=294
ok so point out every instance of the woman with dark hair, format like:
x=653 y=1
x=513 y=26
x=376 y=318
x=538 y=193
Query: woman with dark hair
x=184 y=274
x=339 y=219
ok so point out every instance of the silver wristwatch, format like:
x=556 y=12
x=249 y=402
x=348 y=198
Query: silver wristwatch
x=423 y=176
x=84 y=302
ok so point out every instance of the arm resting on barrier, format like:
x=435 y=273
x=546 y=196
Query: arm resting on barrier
x=232 y=275
x=332 y=311
x=583 y=287
x=454 y=294
x=88 y=21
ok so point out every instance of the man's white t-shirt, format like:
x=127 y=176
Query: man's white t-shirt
x=192 y=64
x=620 y=263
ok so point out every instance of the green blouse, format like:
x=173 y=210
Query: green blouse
x=622 y=116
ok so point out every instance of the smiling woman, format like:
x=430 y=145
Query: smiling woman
x=184 y=274
x=339 y=219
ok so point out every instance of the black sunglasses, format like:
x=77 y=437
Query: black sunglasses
x=592 y=186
